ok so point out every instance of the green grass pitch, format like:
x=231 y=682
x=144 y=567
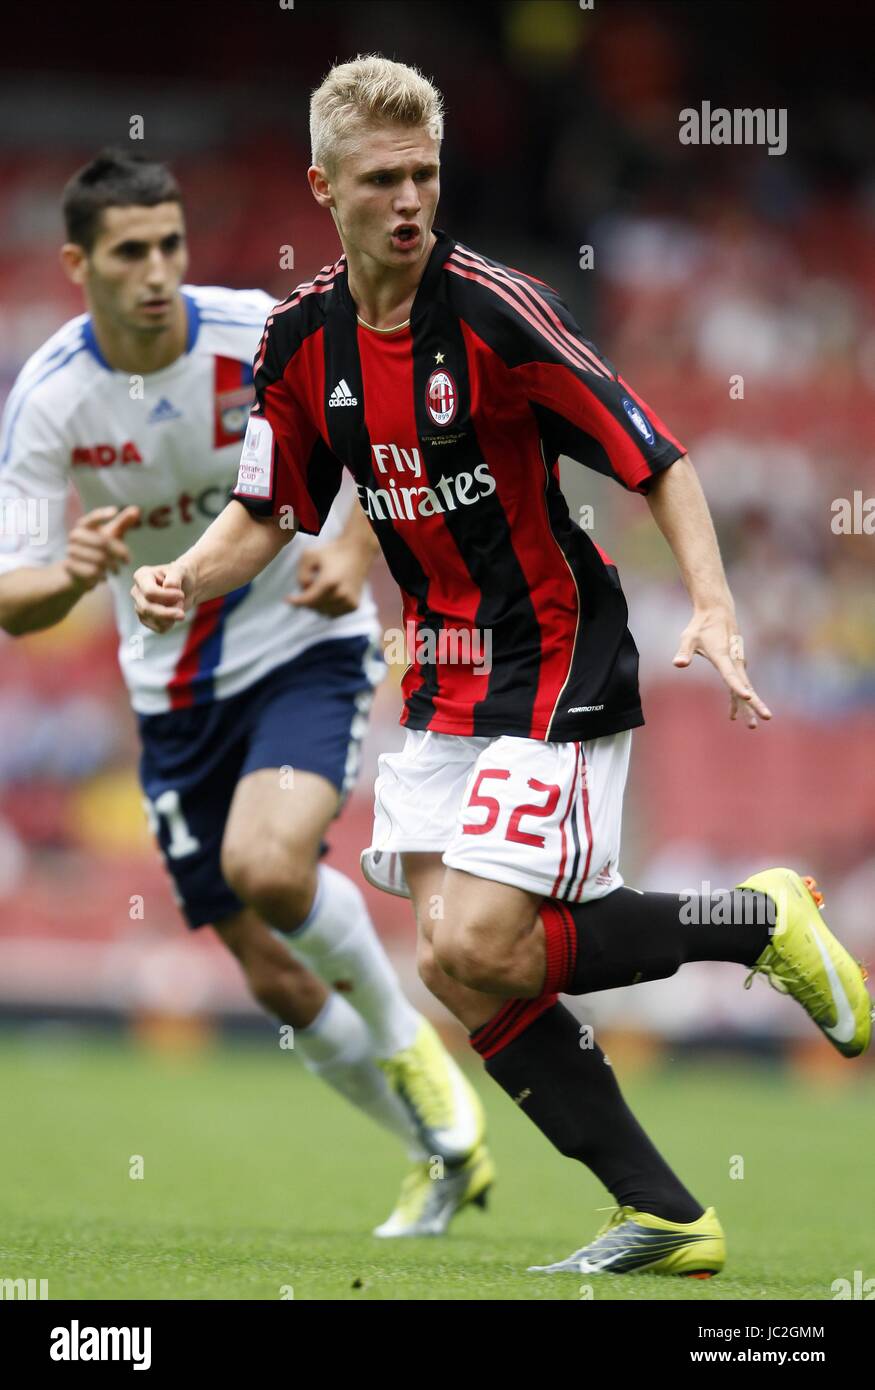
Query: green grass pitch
x=258 y=1179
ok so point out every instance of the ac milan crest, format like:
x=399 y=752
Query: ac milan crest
x=441 y=397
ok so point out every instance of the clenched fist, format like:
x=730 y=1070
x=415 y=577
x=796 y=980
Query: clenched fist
x=331 y=577
x=162 y=594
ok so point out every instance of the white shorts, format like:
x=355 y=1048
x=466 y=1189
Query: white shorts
x=545 y=817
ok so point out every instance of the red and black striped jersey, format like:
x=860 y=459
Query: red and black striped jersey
x=452 y=428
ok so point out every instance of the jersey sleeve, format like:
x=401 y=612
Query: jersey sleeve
x=583 y=406
x=286 y=468
x=34 y=484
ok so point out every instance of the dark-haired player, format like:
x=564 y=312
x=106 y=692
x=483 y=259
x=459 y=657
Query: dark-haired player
x=251 y=712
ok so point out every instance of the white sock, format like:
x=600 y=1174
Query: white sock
x=337 y=1047
x=337 y=940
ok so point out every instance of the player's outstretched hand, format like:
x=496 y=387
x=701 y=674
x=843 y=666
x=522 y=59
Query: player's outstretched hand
x=331 y=577
x=161 y=595
x=713 y=634
x=95 y=547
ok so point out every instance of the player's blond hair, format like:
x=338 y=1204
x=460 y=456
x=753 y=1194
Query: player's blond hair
x=370 y=90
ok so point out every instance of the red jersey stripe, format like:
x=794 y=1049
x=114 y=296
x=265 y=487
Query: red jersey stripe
x=388 y=367
x=553 y=385
x=557 y=883
x=531 y=535
x=656 y=422
x=585 y=790
x=204 y=623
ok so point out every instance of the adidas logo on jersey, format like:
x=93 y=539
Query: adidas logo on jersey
x=605 y=876
x=164 y=410
x=341 y=395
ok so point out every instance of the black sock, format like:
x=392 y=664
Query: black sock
x=571 y=1094
x=627 y=937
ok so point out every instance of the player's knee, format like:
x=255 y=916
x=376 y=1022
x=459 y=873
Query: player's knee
x=276 y=884
x=469 y=957
x=430 y=972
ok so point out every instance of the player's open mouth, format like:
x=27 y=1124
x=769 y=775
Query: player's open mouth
x=406 y=236
x=156 y=306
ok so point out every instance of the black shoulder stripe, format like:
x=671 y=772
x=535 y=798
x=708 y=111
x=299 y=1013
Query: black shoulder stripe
x=295 y=319
x=528 y=319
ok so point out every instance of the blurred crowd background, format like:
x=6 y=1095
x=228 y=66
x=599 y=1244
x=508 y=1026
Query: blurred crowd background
x=710 y=266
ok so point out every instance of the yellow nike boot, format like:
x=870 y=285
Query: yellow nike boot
x=441 y=1102
x=432 y=1194
x=804 y=959
x=634 y=1241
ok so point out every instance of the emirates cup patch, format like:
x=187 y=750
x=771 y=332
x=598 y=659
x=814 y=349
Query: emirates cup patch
x=255 y=476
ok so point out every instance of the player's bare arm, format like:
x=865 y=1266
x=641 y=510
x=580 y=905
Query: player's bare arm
x=332 y=576
x=36 y=597
x=230 y=553
x=681 y=512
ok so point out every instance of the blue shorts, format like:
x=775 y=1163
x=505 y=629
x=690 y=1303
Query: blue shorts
x=309 y=714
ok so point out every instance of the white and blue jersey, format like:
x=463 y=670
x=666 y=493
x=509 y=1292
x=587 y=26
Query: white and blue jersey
x=168 y=442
